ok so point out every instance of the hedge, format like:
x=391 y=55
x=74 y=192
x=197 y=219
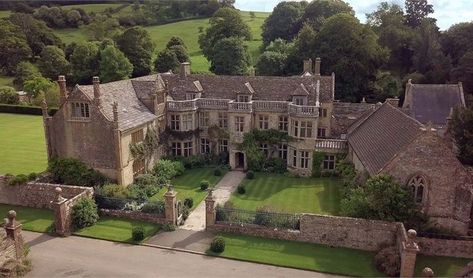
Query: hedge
x=28 y=110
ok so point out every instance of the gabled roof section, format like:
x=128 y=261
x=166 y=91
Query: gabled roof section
x=131 y=111
x=433 y=102
x=381 y=135
x=300 y=91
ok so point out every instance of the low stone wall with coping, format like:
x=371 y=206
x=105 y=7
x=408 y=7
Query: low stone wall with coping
x=134 y=215
x=446 y=247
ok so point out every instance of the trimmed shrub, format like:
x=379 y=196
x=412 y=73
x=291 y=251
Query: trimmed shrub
x=217 y=172
x=156 y=207
x=168 y=169
x=262 y=216
x=17 y=180
x=168 y=227
x=250 y=175
x=217 y=245
x=188 y=202
x=138 y=233
x=28 y=110
x=388 y=261
x=113 y=191
x=32 y=176
x=74 y=172
x=204 y=185
x=84 y=213
x=241 y=189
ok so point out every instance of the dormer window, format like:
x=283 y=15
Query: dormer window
x=80 y=110
x=299 y=100
x=191 y=96
x=243 y=98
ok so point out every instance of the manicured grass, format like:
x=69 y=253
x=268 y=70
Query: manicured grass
x=33 y=219
x=300 y=255
x=23 y=147
x=115 y=229
x=442 y=266
x=287 y=194
x=6 y=80
x=188 y=185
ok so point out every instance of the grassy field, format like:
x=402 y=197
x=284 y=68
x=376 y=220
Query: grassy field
x=286 y=194
x=36 y=220
x=300 y=255
x=188 y=185
x=23 y=145
x=442 y=266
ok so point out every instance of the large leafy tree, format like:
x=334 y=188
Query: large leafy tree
x=352 y=51
x=38 y=35
x=25 y=71
x=464 y=71
x=36 y=86
x=225 y=23
x=417 y=11
x=230 y=57
x=176 y=40
x=318 y=11
x=13 y=46
x=114 y=65
x=456 y=41
x=103 y=27
x=283 y=22
x=8 y=95
x=271 y=63
x=166 y=60
x=137 y=46
x=180 y=52
x=53 y=62
x=461 y=127
x=85 y=62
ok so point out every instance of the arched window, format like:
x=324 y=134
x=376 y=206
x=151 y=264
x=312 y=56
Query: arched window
x=417 y=185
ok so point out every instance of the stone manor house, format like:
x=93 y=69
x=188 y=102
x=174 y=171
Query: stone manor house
x=98 y=123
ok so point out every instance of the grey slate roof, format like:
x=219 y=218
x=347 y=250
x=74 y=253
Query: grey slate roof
x=432 y=102
x=131 y=111
x=382 y=135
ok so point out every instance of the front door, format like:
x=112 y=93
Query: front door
x=239 y=160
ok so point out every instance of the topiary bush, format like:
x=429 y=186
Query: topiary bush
x=388 y=261
x=217 y=172
x=138 y=233
x=204 y=185
x=250 y=175
x=84 y=213
x=188 y=202
x=241 y=189
x=217 y=245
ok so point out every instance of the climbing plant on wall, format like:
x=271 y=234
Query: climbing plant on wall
x=146 y=148
x=317 y=160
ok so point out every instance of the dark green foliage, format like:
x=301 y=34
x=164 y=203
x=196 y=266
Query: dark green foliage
x=168 y=169
x=85 y=62
x=271 y=63
x=74 y=172
x=185 y=213
x=138 y=233
x=176 y=40
x=316 y=13
x=385 y=86
x=13 y=45
x=204 y=185
x=18 y=179
x=229 y=57
x=463 y=72
x=417 y=11
x=32 y=176
x=188 y=202
x=169 y=227
x=388 y=261
x=156 y=207
x=217 y=245
x=262 y=216
x=53 y=62
x=317 y=160
x=114 y=65
x=8 y=95
x=27 y=110
x=461 y=128
x=241 y=189
x=181 y=53
x=138 y=47
x=113 y=190
x=166 y=61
x=217 y=172
x=283 y=22
x=250 y=175
x=84 y=213
x=25 y=71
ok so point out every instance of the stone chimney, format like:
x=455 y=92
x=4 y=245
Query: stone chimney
x=317 y=66
x=61 y=80
x=115 y=114
x=185 y=69
x=308 y=66
x=96 y=83
x=393 y=101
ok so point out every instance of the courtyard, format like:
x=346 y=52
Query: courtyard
x=289 y=194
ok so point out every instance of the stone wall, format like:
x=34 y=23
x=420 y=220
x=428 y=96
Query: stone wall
x=328 y=230
x=134 y=215
x=37 y=195
x=445 y=247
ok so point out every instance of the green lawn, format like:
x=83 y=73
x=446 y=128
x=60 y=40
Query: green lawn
x=442 y=266
x=300 y=255
x=116 y=229
x=188 y=185
x=33 y=219
x=286 y=194
x=23 y=145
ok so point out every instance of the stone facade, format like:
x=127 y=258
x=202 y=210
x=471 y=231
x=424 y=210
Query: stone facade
x=446 y=247
x=11 y=246
x=134 y=215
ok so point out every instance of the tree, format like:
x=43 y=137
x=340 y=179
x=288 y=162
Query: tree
x=381 y=198
x=305 y=42
x=461 y=128
x=166 y=60
x=230 y=57
x=456 y=41
x=53 y=62
x=103 y=27
x=271 y=63
x=282 y=22
x=385 y=86
x=73 y=18
x=84 y=62
x=13 y=45
x=38 y=35
x=8 y=95
x=318 y=11
x=225 y=23
x=417 y=11
x=114 y=65
x=137 y=46
x=351 y=50
x=25 y=71
x=464 y=72
x=176 y=40
x=180 y=53
x=37 y=85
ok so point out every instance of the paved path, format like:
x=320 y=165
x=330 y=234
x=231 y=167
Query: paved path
x=221 y=192
x=198 y=241
x=83 y=257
